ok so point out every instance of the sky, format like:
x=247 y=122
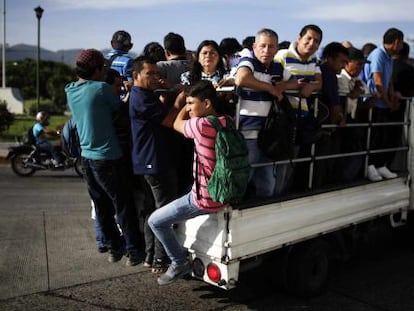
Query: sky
x=69 y=24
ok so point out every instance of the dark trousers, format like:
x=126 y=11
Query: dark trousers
x=55 y=151
x=109 y=194
x=383 y=137
x=324 y=171
x=353 y=140
x=164 y=190
x=145 y=206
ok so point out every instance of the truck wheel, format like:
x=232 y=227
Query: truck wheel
x=307 y=268
x=377 y=238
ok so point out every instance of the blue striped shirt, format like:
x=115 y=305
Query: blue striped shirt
x=254 y=104
x=121 y=63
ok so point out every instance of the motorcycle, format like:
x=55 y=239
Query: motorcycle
x=26 y=159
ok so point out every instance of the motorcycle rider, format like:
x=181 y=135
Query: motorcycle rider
x=40 y=132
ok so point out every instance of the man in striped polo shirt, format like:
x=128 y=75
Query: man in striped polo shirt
x=301 y=61
x=261 y=80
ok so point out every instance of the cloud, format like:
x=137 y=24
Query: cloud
x=356 y=11
x=112 y=4
x=351 y=10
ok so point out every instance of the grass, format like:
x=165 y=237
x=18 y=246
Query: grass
x=22 y=124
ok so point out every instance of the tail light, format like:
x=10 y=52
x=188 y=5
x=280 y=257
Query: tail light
x=213 y=272
x=198 y=267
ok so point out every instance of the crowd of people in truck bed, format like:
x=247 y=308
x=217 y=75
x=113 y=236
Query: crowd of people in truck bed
x=144 y=132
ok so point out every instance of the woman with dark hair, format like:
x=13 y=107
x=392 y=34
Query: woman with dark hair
x=154 y=50
x=208 y=65
x=230 y=48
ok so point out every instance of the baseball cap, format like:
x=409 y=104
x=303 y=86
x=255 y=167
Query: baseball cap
x=121 y=40
x=356 y=54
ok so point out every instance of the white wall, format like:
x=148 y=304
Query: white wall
x=13 y=99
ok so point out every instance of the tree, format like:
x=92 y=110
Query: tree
x=6 y=118
x=53 y=78
x=56 y=87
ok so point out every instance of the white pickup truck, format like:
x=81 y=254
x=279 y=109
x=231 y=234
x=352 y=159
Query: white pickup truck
x=304 y=231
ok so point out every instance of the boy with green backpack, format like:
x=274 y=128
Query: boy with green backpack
x=221 y=172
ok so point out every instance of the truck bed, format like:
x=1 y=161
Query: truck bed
x=236 y=234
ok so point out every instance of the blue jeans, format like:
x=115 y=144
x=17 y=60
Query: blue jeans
x=262 y=177
x=54 y=150
x=106 y=189
x=100 y=240
x=162 y=220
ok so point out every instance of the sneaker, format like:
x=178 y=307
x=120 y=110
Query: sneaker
x=133 y=261
x=386 y=173
x=160 y=265
x=174 y=272
x=114 y=255
x=134 y=258
x=148 y=261
x=57 y=164
x=102 y=249
x=373 y=175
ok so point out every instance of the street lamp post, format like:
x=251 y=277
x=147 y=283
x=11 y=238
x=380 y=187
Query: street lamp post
x=39 y=12
x=3 y=50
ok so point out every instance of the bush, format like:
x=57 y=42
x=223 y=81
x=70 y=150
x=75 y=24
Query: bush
x=22 y=123
x=30 y=107
x=6 y=117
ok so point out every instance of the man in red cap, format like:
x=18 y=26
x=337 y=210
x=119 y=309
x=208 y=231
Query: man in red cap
x=93 y=102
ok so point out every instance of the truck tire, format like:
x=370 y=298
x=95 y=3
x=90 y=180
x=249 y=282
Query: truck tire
x=307 y=268
x=377 y=238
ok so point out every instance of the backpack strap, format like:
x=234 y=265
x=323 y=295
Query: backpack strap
x=286 y=107
x=111 y=59
x=196 y=176
x=216 y=123
x=299 y=112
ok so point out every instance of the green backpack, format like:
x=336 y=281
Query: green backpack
x=230 y=176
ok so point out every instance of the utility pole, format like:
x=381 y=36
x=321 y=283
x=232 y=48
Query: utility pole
x=3 y=50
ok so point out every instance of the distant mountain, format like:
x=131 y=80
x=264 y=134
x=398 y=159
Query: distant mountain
x=21 y=51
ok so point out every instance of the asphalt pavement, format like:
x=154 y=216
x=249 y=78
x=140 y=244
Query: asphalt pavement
x=49 y=261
